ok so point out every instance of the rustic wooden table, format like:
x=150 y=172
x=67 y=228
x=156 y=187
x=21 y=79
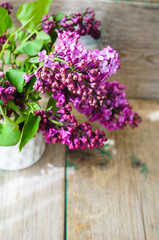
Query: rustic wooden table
x=93 y=197
x=85 y=195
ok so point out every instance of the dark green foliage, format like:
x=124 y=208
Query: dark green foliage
x=30 y=14
x=5 y=21
x=29 y=130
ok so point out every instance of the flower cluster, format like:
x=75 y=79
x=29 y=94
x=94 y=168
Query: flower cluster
x=48 y=24
x=62 y=127
x=76 y=75
x=81 y=22
x=79 y=70
x=115 y=111
x=6 y=90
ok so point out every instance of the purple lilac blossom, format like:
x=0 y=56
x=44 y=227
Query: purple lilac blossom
x=42 y=55
x=69 y=132
x=80 y=77
x=48 y=24
x=81 y=22
x=7 y=92
x=27 y=77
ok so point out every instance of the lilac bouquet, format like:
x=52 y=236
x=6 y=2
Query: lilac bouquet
x=70 y=75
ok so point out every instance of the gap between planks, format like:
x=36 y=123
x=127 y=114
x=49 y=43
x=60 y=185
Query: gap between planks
x=113 y=200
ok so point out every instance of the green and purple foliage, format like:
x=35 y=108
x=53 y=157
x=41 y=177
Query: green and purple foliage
x=69 y=74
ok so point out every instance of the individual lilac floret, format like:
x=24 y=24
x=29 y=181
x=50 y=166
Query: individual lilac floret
x=42 y=56
x=27 y=77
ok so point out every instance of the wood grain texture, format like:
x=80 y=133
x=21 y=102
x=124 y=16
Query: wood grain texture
x=131 y=29
x=32 y=200
x=110 y=199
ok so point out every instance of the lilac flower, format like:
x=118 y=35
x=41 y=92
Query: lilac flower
x=80 y=77
x=60 y=98
x=6 y=92
x=48 y=24
x=27 y=77
x=70 y=133
x=82 y=80
x=81 y=22
x=42 y=55
x=48 y=63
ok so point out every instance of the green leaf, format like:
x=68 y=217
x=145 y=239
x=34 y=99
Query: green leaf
x=52 y=105
x=20 y=36
x=59 y=16
x=5 y=21
x=21 y=118
x=29 y=130
x=56 y=122
x=53 y=36
x=1 y=102
x=8 y=137
x=26 y=66
x=16 y=78
x=29 y=86
x=33 y=106
x=35 y=96
x=13 y=106
x=43 y=36
x=7 y=58
x=34 y=60
x=18 y=63
x=30 y=14
x=30 y=48
x=11 y=124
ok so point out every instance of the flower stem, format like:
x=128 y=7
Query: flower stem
x=59 y=60
x=18 y=30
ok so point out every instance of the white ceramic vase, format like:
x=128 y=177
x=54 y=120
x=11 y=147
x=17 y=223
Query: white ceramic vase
x=12 y=159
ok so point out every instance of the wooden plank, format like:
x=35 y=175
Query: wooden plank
x=113 y=200
x=131 y=29
x=32 y=200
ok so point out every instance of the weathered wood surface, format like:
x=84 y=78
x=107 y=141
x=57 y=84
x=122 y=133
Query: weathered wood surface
x=105 y=201
x=131 y=29
x=110 y=199
x=32 y=200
